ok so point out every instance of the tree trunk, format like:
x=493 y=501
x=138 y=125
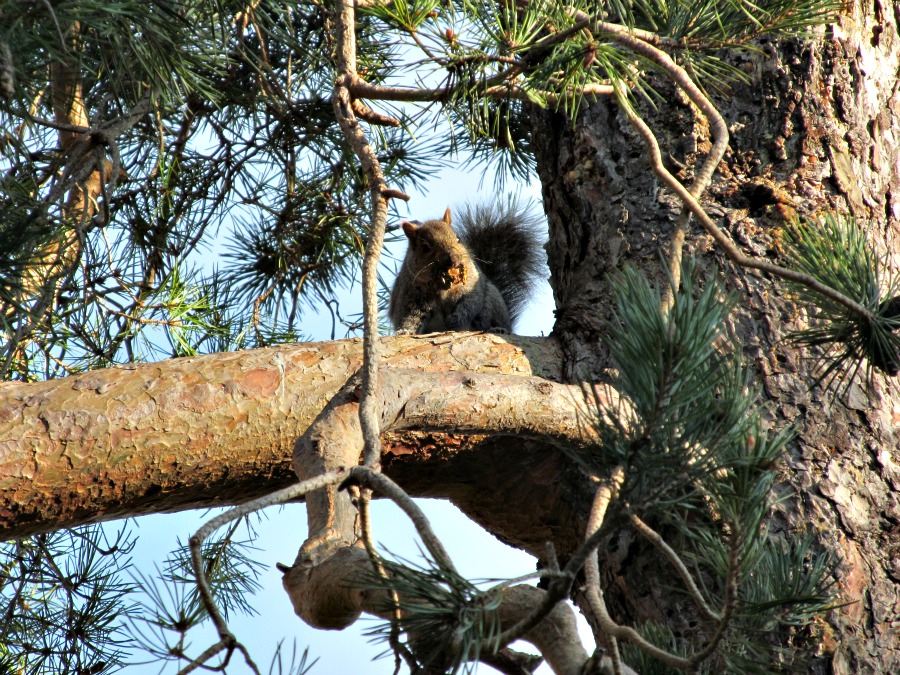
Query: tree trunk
x=814 y=130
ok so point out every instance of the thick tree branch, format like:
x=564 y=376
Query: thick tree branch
x=466 y=402
x=329 y=593
x=197 y=432
x=469 y=403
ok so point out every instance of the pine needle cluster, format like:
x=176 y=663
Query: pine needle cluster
x=700 y=464
x=837 y=251
x=448 y=620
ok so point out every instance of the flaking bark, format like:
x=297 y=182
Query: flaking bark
x=198 y=432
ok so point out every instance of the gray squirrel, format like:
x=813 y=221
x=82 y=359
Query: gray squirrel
x=476 y=276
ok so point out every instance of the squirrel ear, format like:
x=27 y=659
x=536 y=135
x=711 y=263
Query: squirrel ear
x=409 y=229
x=447 y=215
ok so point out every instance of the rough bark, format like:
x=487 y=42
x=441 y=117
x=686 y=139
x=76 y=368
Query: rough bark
x=815 y=129
x=216 y=430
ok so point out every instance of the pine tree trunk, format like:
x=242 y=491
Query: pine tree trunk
x=814 y=130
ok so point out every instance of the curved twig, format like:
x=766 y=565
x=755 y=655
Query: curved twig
x=731 y=598
x=342 y=101
x=656 y=539
x=227 y=640
x=641 y=42
x=614 y=630
x=730 y=249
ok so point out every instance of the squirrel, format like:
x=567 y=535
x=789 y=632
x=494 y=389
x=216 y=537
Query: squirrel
x=478 y=276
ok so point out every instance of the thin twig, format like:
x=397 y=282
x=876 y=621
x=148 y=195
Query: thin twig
x=376 y=92
x=381 y=484
x=612 y=629
x=615 y=656
x=594 y=595
x=554 y=594
x=207 y=654
x=656 y=539
x=718 y=128
x=226 y=637
x=675 y=259
x=281 y=496
x=552 y=560
x=378 y=482
x=608 y=491
x=730 y=249
x=365 y=525
x=640 y=43
x=560 y=587
x=342 y=102
x=731 y=597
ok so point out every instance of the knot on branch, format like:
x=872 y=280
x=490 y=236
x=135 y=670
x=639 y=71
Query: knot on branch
x=322 y=594
x=392 y=193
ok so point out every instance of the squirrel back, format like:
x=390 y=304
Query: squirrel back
x=476 y=277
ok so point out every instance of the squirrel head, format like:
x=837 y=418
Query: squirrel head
x=437 y=255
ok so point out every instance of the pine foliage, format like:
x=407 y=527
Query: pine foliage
x=837 y=251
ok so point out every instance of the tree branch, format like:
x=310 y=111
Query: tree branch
x=687 y=579
x=227 y=640
x=341 y=101
x=362 y=89
x=378 y=482
x=197 y=432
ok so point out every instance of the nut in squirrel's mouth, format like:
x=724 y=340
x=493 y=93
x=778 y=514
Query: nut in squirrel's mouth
x=454 y=276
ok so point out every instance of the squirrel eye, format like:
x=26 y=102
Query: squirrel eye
x=425 y=248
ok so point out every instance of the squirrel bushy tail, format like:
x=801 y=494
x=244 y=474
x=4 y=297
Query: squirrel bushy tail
x=505 y=241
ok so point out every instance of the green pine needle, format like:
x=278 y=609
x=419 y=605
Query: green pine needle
x=447 y=619
x=691 y=408
x=836 y=251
